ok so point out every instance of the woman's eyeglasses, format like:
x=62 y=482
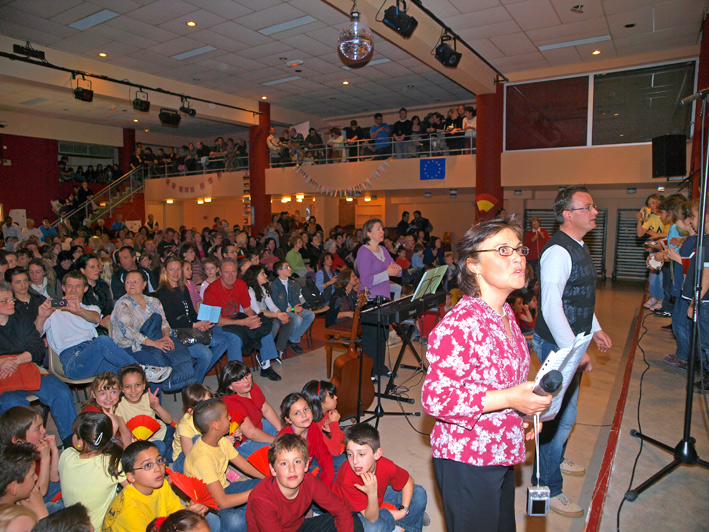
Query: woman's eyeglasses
x=507 y=251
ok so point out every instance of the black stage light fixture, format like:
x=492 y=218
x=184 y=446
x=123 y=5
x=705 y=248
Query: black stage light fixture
x=186 y=109
x=448 y=56
x=396 y=18
x=141 y=102
x=169 y=118
x=85 y=94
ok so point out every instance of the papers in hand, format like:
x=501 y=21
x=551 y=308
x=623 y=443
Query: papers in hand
x=209 y=313
x=567 y=361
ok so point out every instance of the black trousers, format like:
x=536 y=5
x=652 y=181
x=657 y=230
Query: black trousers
x=326 y=523
x=476 y=499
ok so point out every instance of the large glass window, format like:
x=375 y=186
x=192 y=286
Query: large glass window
x=638 y=105
x=547 y=114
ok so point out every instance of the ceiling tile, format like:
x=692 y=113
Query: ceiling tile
x=478 y=18
x=80 y=42
x=562 y=56
x=118 y=35
x=591 y=9
x=311 y=46
x=162 y=10
x=202 y=17
x=514 y=44
x=46 y=8
x=224 y=8
x=136 y=27
x=491 y=30
x=678 y=13
x=271 y=16
x=270 y=48
x=118 y=6
x=175 y=46
x=642 y=18
x=9 y=14
x=534 y=14
x=23 y=33
x=569 y=32
x=241 y=33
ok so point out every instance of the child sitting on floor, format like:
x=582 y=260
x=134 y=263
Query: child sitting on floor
x=18 y=478
x=372 y=480
x=192 y=395
x=104 y=394
x=209 y=458
x=281 y=501
x=323 y=403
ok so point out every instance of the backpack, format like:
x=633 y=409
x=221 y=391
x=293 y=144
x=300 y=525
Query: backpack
x=311 y=294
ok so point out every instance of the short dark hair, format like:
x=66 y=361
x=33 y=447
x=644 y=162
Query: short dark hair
x=377 y=115
x=15 y=422
x=234 y=371
x=363 y=434
x=402 y=109
x=315 y=392
x=469 y=245
x=74 y=518
x=207 y=412
x=74 y=274
x=12 y=272
x=285 y=443
x=132 y=368
x=16 y=460
x=130 y=454
x=278 y=266
x=129 y=249
x=288 y=401
x=194 y=394
x=564 y=198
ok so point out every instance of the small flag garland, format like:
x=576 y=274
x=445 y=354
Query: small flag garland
x=344 y=192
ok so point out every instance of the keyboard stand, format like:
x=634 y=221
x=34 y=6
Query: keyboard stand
x=405 y=332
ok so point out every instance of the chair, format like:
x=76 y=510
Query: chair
x=55 y=366
x=342 y=334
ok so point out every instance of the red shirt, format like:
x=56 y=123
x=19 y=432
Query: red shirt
x=387 y=472
x=337 y=262
x=268 y=510
x=470 y=353
x=318 y=450
x=333 y=437
x=251 y=408
x=535 y=246
x=231 y=300
x=404 y=263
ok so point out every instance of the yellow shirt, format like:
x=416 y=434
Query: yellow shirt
x=131 y=511
x=128 y=411
x=86 y=480
x=210 y=463
x=185 y=428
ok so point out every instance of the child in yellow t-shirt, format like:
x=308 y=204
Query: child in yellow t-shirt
x=148 y=496
x=209 y=458
x=192 y=395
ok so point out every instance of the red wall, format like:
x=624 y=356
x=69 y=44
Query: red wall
x=32 y=179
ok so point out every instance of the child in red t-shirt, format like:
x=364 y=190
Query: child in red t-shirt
x=376 y=487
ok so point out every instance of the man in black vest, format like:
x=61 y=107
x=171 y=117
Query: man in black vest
x=567 y=299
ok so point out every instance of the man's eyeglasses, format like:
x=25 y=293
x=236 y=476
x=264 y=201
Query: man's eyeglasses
x=150 y=465
x=5 y=301
x=506 y=251
x=588 y=208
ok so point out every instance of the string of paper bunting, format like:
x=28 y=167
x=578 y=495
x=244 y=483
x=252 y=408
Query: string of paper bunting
x=343 y=192
x=190 y=190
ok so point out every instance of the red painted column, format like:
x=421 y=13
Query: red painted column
x=702 y=83
x=258 y=162
x=126 y=152
x=488 y=180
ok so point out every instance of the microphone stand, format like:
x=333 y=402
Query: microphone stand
x=684 y=452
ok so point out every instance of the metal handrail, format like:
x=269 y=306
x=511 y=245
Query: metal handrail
x=106 y=190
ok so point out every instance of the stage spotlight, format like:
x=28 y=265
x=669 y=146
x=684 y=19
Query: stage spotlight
x=141 y=102
x=85 y=94
x=396 y=18
x=186 y=109
x=169 y=118
x=448 y=56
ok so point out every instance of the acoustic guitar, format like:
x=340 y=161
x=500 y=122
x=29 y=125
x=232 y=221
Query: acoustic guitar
x=352 y=371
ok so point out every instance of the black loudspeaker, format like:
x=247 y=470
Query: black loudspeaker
x=669 y=156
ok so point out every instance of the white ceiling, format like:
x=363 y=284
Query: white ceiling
x=508 y=33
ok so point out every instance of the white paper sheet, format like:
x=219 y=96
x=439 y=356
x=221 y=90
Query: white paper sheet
x=567 y=361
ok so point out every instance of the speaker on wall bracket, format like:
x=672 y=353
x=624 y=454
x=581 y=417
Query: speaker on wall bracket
x=669 y=156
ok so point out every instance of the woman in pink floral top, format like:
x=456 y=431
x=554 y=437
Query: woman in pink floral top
x=477 y=386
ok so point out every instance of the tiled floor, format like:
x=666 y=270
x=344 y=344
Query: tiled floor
x=677 y=503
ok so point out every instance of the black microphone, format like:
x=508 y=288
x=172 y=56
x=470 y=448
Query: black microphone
x=549 y=383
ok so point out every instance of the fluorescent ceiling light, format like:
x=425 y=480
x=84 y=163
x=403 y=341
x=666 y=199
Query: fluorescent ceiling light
x=192 y=53
x=279 y=81
x=283 y=26
x=371 y=63
x=94 y=20
x=33 y=101
x=574 y=43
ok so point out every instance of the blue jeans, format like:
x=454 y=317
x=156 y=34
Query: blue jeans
x=234 y=519
x=682 y=328
x=412 y=522
x=555 y=433
x=248 y=447
x=53 y=393
x=655 y=285
x=179 y=359
x=281 y=333
x=300 y=324
x=205 y=356
x=233 y=341
x=268 y=349
x=90 y=358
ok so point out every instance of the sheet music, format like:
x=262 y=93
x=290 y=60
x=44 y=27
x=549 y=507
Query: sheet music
x=567 y=361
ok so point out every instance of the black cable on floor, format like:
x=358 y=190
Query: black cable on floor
x=640 y=396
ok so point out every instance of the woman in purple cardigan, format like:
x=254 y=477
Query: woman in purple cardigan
x=375 y=266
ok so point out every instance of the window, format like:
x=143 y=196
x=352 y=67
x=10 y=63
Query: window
x=638 y=105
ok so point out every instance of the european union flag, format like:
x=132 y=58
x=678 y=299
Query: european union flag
x=432 y=168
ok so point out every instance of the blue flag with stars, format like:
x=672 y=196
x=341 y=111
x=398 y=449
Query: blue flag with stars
x=432 y=168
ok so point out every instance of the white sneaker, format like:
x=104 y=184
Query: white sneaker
x=562 y=505
x=650 y=303
x=156 y=374
x=570 y=468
